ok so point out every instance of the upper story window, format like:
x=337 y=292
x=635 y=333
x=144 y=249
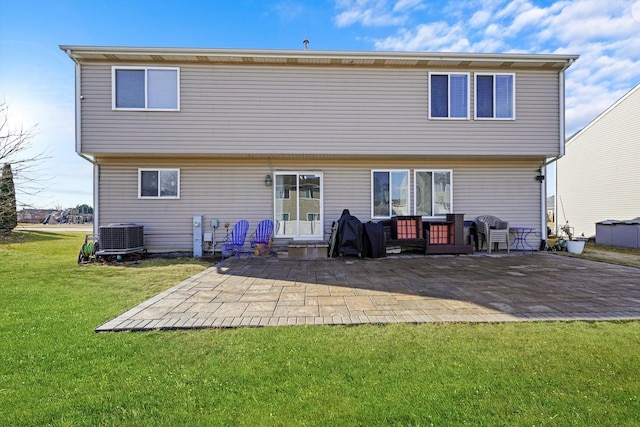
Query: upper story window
x=158 y=183
x=448 y=95
x=146 y=88
x=495 y=96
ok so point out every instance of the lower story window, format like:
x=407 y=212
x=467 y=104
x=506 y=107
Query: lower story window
x=158 y=183
x=389 y=193
x=433 y=194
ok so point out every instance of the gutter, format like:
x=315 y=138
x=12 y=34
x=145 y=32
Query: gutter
x=78 y=142
x=561 y=146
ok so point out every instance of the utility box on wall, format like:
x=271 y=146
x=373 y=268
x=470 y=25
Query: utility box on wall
x=197 y=236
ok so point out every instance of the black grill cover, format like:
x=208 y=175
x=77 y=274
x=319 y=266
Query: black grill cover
x=349 y=235
x=374 y=240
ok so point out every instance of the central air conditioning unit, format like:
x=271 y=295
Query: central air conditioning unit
x=121 y=239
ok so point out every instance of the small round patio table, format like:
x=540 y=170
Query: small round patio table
x=520 y=235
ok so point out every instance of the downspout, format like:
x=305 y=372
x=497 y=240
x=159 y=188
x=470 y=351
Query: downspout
x=78 y=142
x=543 y=167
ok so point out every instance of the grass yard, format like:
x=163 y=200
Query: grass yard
x=56 y=371
x=613 y=254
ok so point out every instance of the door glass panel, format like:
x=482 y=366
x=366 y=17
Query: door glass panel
x=309 y=190
x=285 y=203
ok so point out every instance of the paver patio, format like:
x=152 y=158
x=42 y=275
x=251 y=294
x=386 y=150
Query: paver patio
x=399 y=289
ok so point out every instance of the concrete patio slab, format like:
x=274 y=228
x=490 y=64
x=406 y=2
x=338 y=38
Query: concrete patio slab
x=260 y=292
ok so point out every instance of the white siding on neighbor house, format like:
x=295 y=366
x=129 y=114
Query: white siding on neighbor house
x=230 y=189
x=311 y=110
x=599 y=176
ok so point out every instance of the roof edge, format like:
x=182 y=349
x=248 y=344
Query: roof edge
x=603 y=114
x=73 y=52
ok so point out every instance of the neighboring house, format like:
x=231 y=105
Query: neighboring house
x=599 y=176
x=551 y=212
x=180 y=132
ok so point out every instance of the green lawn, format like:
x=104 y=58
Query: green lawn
x=56 y=371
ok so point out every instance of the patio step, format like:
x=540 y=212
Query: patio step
x=307 y=249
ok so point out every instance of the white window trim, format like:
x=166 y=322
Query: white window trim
x=415 y=190
x=146 y=87
x=449 y=73
x=141 y=197
x=475 y=98
x=390 y=171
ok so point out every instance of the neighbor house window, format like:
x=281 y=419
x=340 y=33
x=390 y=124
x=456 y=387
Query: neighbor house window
x=283 y=193
x=145 y=88
x=389 y=193
x=448 y=96
x=495 y=96
x=433 y=195
x=158 y=183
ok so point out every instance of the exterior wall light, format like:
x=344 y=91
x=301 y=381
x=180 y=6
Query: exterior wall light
x=268 y=181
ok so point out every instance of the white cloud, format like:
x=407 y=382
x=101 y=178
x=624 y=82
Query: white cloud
x=591 y=21
x=408 y=5
x=438 y=36
x=375 y=13
x=480 y=18
x=635 y=11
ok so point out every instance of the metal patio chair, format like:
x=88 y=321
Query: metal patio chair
x=234 y=241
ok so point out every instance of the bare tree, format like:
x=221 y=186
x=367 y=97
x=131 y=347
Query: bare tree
x=14 y=149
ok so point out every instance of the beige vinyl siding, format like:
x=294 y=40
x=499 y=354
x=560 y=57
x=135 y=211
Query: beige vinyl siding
x=311 y=110
x=599 y=176
x=225 y=191
x=230 y=189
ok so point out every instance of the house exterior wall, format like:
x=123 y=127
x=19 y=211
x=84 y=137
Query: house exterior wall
x=599 y=176
x=245 y=114
x=260 y=110
x=229 y=189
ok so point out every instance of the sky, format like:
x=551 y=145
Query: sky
x=37 y=78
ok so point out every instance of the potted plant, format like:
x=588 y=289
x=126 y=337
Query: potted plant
x=573 y=245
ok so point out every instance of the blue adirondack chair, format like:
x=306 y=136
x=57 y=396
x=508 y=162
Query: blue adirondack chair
x=234 y=241
x=261 y=238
